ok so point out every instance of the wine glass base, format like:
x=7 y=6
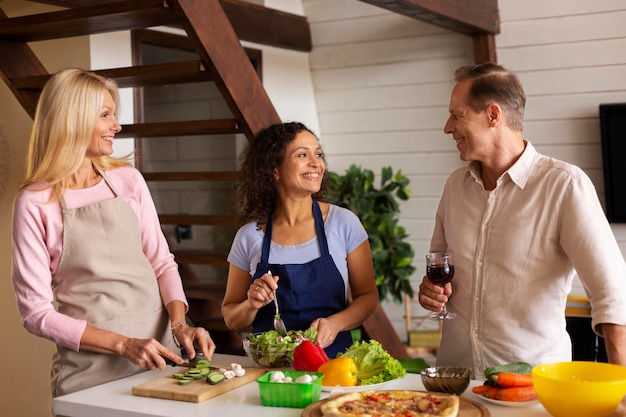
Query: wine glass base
x=443 y=315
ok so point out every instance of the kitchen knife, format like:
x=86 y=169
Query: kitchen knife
x=190 y=364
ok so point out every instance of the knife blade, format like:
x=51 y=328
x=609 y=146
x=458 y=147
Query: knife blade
x=184 y=364
x=190 y=364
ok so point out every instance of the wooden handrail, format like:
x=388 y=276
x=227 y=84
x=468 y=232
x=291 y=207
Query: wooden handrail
x=181 y=128
x=138 y=76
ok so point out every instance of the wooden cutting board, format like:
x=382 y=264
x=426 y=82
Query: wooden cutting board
x=199 y=390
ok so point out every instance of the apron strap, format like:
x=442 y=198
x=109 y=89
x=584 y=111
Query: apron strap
x=106 y=179
x=319 y=227
x=267 y=240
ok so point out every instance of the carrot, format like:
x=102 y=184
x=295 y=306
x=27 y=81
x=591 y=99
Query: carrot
x=480 y=389
x=516 y=394
x=510 y=379
x=492 y=392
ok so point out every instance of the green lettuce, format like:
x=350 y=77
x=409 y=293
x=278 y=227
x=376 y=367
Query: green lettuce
x=374 y=363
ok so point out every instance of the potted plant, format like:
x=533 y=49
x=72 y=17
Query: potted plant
x=378 y=210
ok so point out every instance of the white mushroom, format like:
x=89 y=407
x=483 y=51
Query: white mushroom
x=304 y=379
x=277 y=376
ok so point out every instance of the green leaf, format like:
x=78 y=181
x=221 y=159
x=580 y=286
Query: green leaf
x=378 y=210
x=386 y=174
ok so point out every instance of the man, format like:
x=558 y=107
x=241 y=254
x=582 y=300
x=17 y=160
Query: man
x=520 y=225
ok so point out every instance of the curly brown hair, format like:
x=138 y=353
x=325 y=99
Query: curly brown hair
x=257 y=190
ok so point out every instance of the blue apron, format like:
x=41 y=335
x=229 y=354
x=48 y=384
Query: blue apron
x=306 y=291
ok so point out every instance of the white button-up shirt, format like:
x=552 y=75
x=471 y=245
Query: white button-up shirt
x=516 y=250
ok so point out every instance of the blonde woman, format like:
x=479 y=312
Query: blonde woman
x=86 y=236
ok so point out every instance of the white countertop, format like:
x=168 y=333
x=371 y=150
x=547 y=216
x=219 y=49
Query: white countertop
x=115 y=399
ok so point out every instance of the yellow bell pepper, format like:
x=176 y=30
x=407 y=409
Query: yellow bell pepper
x=339 y=371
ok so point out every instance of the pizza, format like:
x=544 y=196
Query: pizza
x=392 y=403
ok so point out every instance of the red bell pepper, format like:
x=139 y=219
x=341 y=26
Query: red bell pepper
x=308 y=357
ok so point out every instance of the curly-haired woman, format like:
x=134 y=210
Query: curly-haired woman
x=313 y=256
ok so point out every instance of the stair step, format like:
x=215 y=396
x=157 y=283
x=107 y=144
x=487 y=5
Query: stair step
x=138 y=76
x=181 y=128
x=104 y=18
x=204 y=257
x=192 y=176
x=199 y=219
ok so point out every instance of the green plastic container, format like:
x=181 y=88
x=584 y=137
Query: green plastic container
x=289 y=394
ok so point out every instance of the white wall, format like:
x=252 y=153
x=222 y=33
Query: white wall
x=382 y=84
x=111 y=50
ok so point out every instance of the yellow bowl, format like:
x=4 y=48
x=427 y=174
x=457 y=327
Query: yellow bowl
x=579 y=389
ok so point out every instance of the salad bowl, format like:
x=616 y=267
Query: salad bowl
x=271 y=349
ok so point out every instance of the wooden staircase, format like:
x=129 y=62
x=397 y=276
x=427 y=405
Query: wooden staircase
x=220 y=59
x=213 y=29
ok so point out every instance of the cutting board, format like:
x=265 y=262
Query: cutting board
x=199 y=390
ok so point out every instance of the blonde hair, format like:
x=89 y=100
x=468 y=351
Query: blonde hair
x=64 y=121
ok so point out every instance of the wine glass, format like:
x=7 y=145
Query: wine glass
x=440 y=270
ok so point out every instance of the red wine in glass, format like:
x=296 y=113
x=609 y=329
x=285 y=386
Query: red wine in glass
x=440 y=270
x=440 y=274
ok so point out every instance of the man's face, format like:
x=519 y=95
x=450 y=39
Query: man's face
x=469 y=129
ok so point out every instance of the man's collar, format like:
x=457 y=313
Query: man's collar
x=519 y=172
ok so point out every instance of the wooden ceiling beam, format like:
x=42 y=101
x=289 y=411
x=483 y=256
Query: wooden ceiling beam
x=470 y=17
x=252 y=23
x=485 y=48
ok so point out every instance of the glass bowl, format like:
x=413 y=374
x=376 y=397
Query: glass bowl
x=271 y=355
x=447 y=379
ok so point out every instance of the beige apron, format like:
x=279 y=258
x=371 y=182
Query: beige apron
x=105 y=278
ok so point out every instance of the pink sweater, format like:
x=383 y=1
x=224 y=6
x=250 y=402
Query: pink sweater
x=38 y=244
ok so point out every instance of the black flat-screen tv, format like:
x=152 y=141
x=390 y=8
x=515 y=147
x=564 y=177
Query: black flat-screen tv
x=613 y=136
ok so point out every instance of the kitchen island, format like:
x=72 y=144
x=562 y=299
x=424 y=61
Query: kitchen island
x=115 y=399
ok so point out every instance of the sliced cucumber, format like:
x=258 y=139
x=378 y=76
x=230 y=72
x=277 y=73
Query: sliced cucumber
x=185 y=381
x=215 y=377
x=192 y=374
x=515 y=367
x=203 y=363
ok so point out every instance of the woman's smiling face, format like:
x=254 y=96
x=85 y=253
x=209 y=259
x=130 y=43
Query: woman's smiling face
x=303 y=166
x=105 y=128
